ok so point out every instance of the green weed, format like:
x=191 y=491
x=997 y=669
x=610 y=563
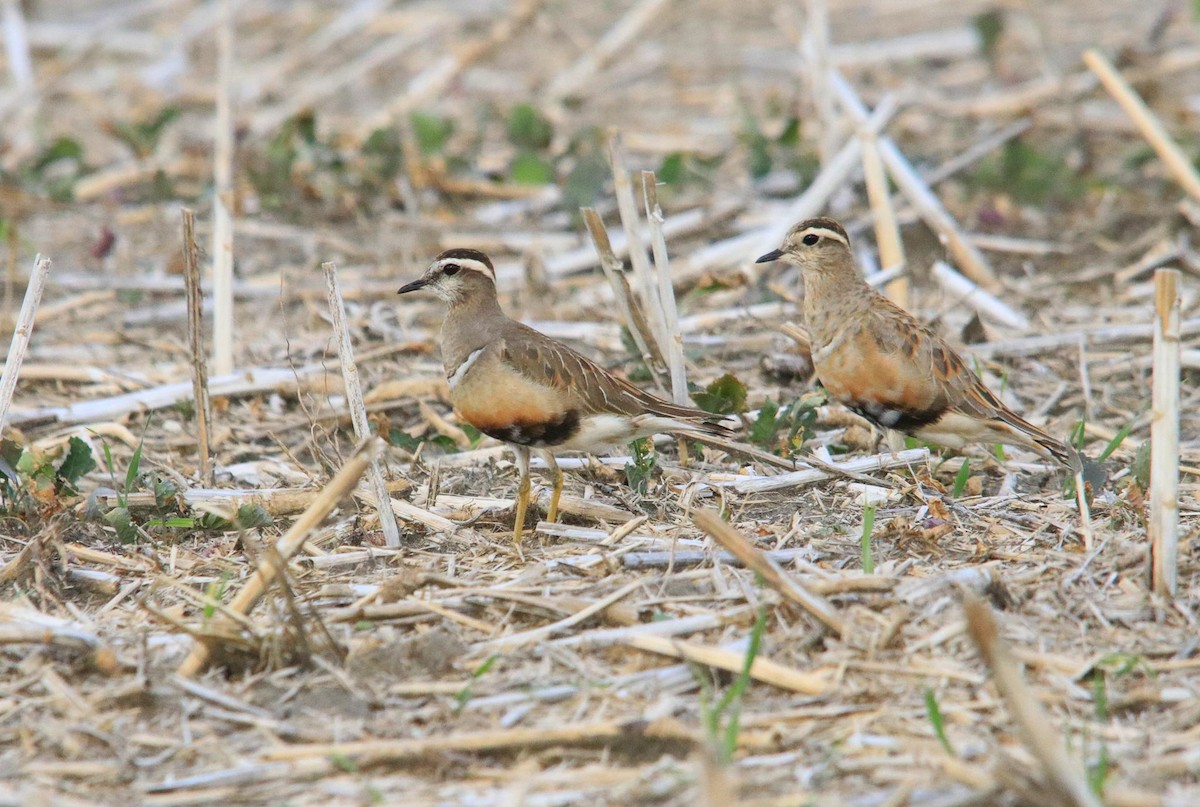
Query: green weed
x=934 y=713
x=722 y=719
x=643 y=463
x=868 y=527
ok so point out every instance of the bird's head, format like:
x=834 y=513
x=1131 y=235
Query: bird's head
x=813 y=245
x=457 y=275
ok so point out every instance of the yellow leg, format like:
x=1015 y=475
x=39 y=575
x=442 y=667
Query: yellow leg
x=556 y=493
x=522 y=494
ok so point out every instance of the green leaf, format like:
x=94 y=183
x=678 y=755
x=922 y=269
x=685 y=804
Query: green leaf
x=724 y=396
x=304 y=125
x=990 y=27
x=802 y=414
x=143 y=136
x=1098 y=771
x=529 y=169
x=528 y=129
x=1078 y=434
x=960 y=481
x=444 y=442
x=1141 y=466
x=790 y=136
x=253 y=516
x=64 y=148
x=1100 y=695
x=119 y=519
x=384 y=153
x=345 y=763
x=247 y=517
x=1115 y=443
x=934 y=712
x=765 y=426
x=671 y=170
x=758 y=155
x=432 y=132
x=10 y=451
x=464 y=695
x=585 y=181
x=135 y=463
x=78 y=462
x=176 y=523
x=473 y=434
x=402 y=439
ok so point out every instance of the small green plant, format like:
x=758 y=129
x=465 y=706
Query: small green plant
x=33 y=485
x=432 y=132
x=642 y=465
x=587 y=170
x=119 y=517
x=531 y=133
x=1115 y=442
x=678 y=171
x=55 y=170
x=463 y=696
x=1078 y=435
x=868 y=527
x=1098 y=770
x=214 y=594
x=724 y=396
x=764 y=153
x=444 y=443
x=960 y=481
x=728 y=709
x=142 y=136
x=382 y=159
x=1031 y=175
x=795 y=422
x=989 y=26
x=934 y=713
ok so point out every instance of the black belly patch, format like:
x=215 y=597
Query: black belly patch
x=537 y=433
x=902 y=420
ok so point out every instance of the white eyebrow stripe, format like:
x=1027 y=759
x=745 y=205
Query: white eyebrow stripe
x=468 y=263
x=835 y=235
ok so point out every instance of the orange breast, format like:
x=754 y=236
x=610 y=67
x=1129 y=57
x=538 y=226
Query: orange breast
x=858 y=372
x=493 y=397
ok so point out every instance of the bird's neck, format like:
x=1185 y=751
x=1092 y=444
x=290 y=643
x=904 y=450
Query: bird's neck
x=832 y=297
x=470 y=324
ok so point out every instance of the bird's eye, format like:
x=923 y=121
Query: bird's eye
x=810 y=239
x=450 y=269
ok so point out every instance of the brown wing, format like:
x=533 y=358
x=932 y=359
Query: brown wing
x=590 y=388
x=963 y=391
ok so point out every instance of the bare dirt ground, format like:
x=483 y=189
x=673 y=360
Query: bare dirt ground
x=603 y=662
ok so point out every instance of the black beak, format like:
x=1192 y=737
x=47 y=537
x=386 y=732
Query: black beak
x=419 y=283
x=773 y=255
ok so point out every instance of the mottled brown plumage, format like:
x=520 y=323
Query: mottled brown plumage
x=524 y=388
x=876 y=359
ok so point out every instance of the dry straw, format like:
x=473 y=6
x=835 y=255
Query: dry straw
x=19 y=345
x=354 y=401
x=222 y=232
x=1164 y=436
x=195 y=306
